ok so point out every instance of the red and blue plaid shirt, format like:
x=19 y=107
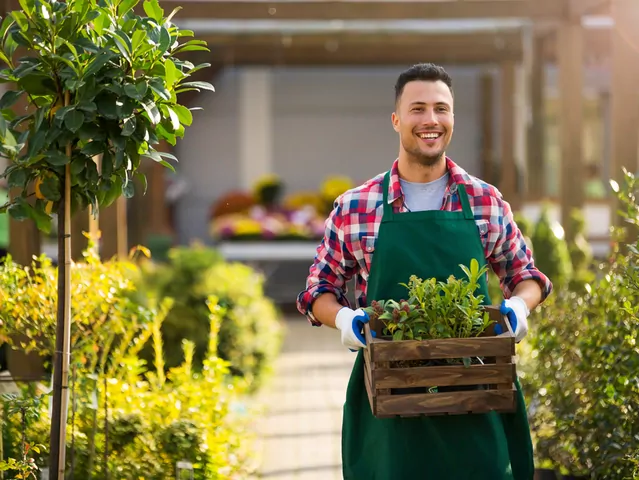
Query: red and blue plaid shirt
x=351 y=230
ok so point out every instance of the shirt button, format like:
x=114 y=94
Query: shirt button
x=369 y=249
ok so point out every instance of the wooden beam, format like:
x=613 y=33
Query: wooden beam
x=536 y=135
x=597 y=46
x=509 y=40
x=570 y=42
x=624 y=91
x=334 y=54
x=368 y=9
x=113 y=229
x=486 y=122
x=579 y=8
x=508 y=168
x=24 y=237
x=79 y=242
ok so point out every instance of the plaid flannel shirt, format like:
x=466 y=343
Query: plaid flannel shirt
x=351 y=231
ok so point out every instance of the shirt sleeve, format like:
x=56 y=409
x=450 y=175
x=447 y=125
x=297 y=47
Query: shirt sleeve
x=333 y=267
x=512 y=260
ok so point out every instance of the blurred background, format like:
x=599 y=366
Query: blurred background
x=546 y=109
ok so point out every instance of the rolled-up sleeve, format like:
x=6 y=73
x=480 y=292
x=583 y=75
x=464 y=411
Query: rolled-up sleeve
x=512 y=260
x=332 y=268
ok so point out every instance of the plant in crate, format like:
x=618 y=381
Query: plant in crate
x=93 y=79
x=436 y=309
x=439 y=341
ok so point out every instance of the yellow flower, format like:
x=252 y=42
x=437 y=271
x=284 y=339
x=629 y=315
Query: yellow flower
x=247 y=226
x=297 y=201
x=334 y=186
x=268 y=180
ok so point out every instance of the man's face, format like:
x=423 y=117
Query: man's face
x=424 y=120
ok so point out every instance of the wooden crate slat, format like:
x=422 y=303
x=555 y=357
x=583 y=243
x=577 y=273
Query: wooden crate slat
x=447 y=403
x=444 y=376
x=443 y=348
x=372 y=399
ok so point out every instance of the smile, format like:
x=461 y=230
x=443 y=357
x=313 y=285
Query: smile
x=429 y=135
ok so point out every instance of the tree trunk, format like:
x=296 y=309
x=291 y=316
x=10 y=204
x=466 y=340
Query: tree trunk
x=63 y=332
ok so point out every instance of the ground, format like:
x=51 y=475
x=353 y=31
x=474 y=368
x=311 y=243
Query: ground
x=300 y=431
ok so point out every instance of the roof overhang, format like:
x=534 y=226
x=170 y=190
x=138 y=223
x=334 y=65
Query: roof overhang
x=386 y=10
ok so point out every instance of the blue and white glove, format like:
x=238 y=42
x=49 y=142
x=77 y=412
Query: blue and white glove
x=516 y=312
x=351 y=324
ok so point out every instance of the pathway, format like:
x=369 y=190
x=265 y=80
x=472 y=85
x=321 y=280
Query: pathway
x=300 y=429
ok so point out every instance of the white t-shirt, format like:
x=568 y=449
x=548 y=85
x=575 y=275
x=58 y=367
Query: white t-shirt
x=424 y=196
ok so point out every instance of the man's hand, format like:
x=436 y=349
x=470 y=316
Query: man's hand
x=516 y=312
x=351 y=325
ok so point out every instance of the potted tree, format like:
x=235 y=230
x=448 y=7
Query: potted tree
x=100 y=85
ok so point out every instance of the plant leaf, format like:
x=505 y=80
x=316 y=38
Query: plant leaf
x=74 y=120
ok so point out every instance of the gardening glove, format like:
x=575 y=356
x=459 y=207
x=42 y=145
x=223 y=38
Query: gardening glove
x=351 y=324
x=516 y=312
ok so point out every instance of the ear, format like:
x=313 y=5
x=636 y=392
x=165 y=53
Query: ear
x=395 y=120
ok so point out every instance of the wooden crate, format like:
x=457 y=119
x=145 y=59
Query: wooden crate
x=395 y=390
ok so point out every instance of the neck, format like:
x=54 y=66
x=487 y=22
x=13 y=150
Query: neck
x=413 y=171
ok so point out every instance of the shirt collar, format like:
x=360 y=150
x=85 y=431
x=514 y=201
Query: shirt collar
x=457 y=176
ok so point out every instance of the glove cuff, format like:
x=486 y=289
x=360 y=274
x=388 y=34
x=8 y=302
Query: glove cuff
x=342 y=319
x=522 y=304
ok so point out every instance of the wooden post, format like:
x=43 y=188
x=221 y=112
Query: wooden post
x=508 y=168
x=24 y=237
x=624 y=92
x=79 y=225
x=486 y=122
x=570 y=59
x=536 y=136
x=113 y=227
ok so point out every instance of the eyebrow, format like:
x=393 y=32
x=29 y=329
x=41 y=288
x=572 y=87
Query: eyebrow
x=424 y=103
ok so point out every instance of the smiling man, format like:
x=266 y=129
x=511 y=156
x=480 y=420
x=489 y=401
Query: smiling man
x=424 y=217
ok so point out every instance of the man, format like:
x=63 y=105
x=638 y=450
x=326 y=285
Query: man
x=425 y=216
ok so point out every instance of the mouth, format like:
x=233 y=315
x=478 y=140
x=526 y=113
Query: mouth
x=429 y=136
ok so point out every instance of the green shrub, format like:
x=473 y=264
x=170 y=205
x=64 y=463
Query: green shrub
x=250 y=333
x=551 y=251
x=580 y=373
x=132 y=418
x=580 y=252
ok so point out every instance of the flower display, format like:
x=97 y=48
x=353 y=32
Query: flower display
x=299 y=216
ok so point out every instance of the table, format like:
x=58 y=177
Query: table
x=284 y=264
x=268 y=250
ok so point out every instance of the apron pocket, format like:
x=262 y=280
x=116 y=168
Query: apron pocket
x=367 y=244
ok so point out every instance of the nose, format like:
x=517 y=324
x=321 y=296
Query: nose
x=430 y=117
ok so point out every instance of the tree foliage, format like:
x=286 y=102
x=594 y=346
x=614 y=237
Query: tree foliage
x=99 y=81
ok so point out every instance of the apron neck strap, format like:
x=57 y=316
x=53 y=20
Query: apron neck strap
x=463 y=198
x=388 y=208
x=461 y=191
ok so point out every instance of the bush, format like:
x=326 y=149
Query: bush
x=250 y=333
x=129 y=418
x=580 y=252
x=581 y=372
x=551 y=251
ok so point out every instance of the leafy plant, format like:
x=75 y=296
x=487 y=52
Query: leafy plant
x=436 y=309
x=250 y=333
x=27 y=409
x=581 y=379
x=551 y=250
x=97 y=80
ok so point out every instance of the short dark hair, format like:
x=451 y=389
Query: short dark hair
x=426 y=72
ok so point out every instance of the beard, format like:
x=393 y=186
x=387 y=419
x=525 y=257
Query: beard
x=423 y=158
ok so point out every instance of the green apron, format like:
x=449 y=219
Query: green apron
x=488 y=446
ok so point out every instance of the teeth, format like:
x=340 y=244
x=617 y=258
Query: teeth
x=428 y=135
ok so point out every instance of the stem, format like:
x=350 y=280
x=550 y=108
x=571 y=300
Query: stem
x=63 y=329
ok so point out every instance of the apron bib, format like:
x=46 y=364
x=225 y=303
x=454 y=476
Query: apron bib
x=489 y=446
